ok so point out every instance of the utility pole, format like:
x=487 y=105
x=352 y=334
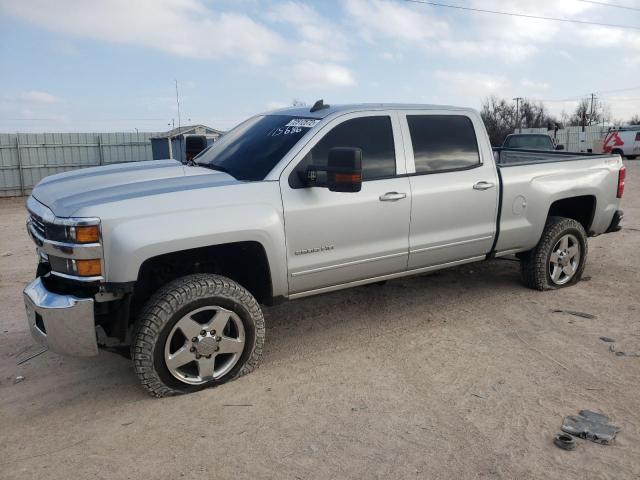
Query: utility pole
x=518 y=100
x=591 y=109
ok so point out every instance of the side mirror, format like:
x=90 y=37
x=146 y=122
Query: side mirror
x=559 y=147
x=343 y=171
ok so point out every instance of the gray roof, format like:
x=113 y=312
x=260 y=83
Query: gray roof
x=305 y=111
x=188 y=129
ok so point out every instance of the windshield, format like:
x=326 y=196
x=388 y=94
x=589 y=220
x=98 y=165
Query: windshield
x=534 y=142
x=253 y=148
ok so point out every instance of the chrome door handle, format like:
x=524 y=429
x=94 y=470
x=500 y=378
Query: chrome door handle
x=483 y=186
x=392 y=197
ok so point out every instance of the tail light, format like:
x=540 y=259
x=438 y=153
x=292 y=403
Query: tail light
x=621 y=176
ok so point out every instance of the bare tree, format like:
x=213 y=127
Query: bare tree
x=298 y=103
x=590 y=112
x=499 y=117
x=635 y=119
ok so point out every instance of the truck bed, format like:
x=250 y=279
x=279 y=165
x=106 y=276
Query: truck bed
x=531 y=181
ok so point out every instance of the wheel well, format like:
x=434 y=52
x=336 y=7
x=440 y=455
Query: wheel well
x=244 y=262
x=580 y=209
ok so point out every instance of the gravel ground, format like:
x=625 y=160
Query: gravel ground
x=463 y=373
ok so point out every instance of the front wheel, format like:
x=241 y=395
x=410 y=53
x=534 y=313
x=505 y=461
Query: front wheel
x=559 y=258
x=197 y=331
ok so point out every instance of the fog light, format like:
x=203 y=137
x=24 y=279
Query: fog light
x=88 y=268
x=88 y=234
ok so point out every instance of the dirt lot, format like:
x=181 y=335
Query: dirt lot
x=459 y=374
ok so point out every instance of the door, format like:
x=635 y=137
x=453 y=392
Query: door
x=336 y=237
x=454 y=190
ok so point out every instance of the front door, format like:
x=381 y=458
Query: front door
x=335 y=238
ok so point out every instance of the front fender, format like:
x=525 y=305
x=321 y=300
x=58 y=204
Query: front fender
x=132 y=241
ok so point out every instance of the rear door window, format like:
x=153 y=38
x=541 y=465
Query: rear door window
x=443 y=143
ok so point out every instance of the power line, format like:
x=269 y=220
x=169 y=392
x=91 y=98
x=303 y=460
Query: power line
x=523 y=15
x=603 y=4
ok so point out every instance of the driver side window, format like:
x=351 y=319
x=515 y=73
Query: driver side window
x=373 y=135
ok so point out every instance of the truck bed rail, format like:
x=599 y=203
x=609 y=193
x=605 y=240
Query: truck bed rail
x=507 y=157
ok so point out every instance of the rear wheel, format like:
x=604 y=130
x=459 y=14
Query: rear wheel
x=559 y=258
x=198 y=331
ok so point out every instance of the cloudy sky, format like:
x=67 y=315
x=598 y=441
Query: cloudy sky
x=77 y=65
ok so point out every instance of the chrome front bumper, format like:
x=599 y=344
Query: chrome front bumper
x=64 y=323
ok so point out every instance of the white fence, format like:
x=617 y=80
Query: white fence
x=574 y=139
x=26 y=158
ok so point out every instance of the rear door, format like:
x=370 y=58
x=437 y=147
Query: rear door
x=335 y=238
x=454 y=187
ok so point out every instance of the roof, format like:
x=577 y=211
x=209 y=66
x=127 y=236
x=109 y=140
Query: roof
x=188 y=129
x=330 y=109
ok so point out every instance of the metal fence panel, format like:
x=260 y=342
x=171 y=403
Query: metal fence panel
x=573 y=139
x=26 y=158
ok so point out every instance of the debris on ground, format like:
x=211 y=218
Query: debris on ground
x=620 y=353
x=18 y=379
x=29 y=356
x=576 y=314
x=6 y=254
x=607 y=339
x=564 y=441
x=593 y=426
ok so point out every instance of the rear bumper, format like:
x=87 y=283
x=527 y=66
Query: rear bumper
x=63 y=323
x=616 y=222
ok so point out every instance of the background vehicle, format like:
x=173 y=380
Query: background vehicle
x=624 y=141
x=531 y=141
x=175 y=259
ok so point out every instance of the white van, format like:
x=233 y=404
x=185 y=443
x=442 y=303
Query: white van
x=624 y=141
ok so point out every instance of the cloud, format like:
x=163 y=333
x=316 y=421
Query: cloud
x=37 y=96
x=393 y=20
x=469 y=88
x=180 y=27
x=318 y=38
x=525 y=82
x=309 y=74
x=492 y=49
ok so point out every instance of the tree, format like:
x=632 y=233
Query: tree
x=588 y=113
x=501 y=117
x=635 y=119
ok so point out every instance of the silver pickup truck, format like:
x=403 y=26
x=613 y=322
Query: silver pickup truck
x=171 y=262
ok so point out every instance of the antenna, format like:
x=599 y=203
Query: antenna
x=319 y=105
x=178 y=103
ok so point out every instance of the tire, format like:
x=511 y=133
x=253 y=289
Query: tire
x=166 y=335
x=539 y=266
x=631 y=157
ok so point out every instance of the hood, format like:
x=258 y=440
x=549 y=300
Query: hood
x=67 y=193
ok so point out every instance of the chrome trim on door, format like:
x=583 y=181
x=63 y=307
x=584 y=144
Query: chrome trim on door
x=391 y=276
x=452 y=244
x=347 y=264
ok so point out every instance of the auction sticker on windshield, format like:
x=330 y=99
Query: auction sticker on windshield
x=302 y=122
